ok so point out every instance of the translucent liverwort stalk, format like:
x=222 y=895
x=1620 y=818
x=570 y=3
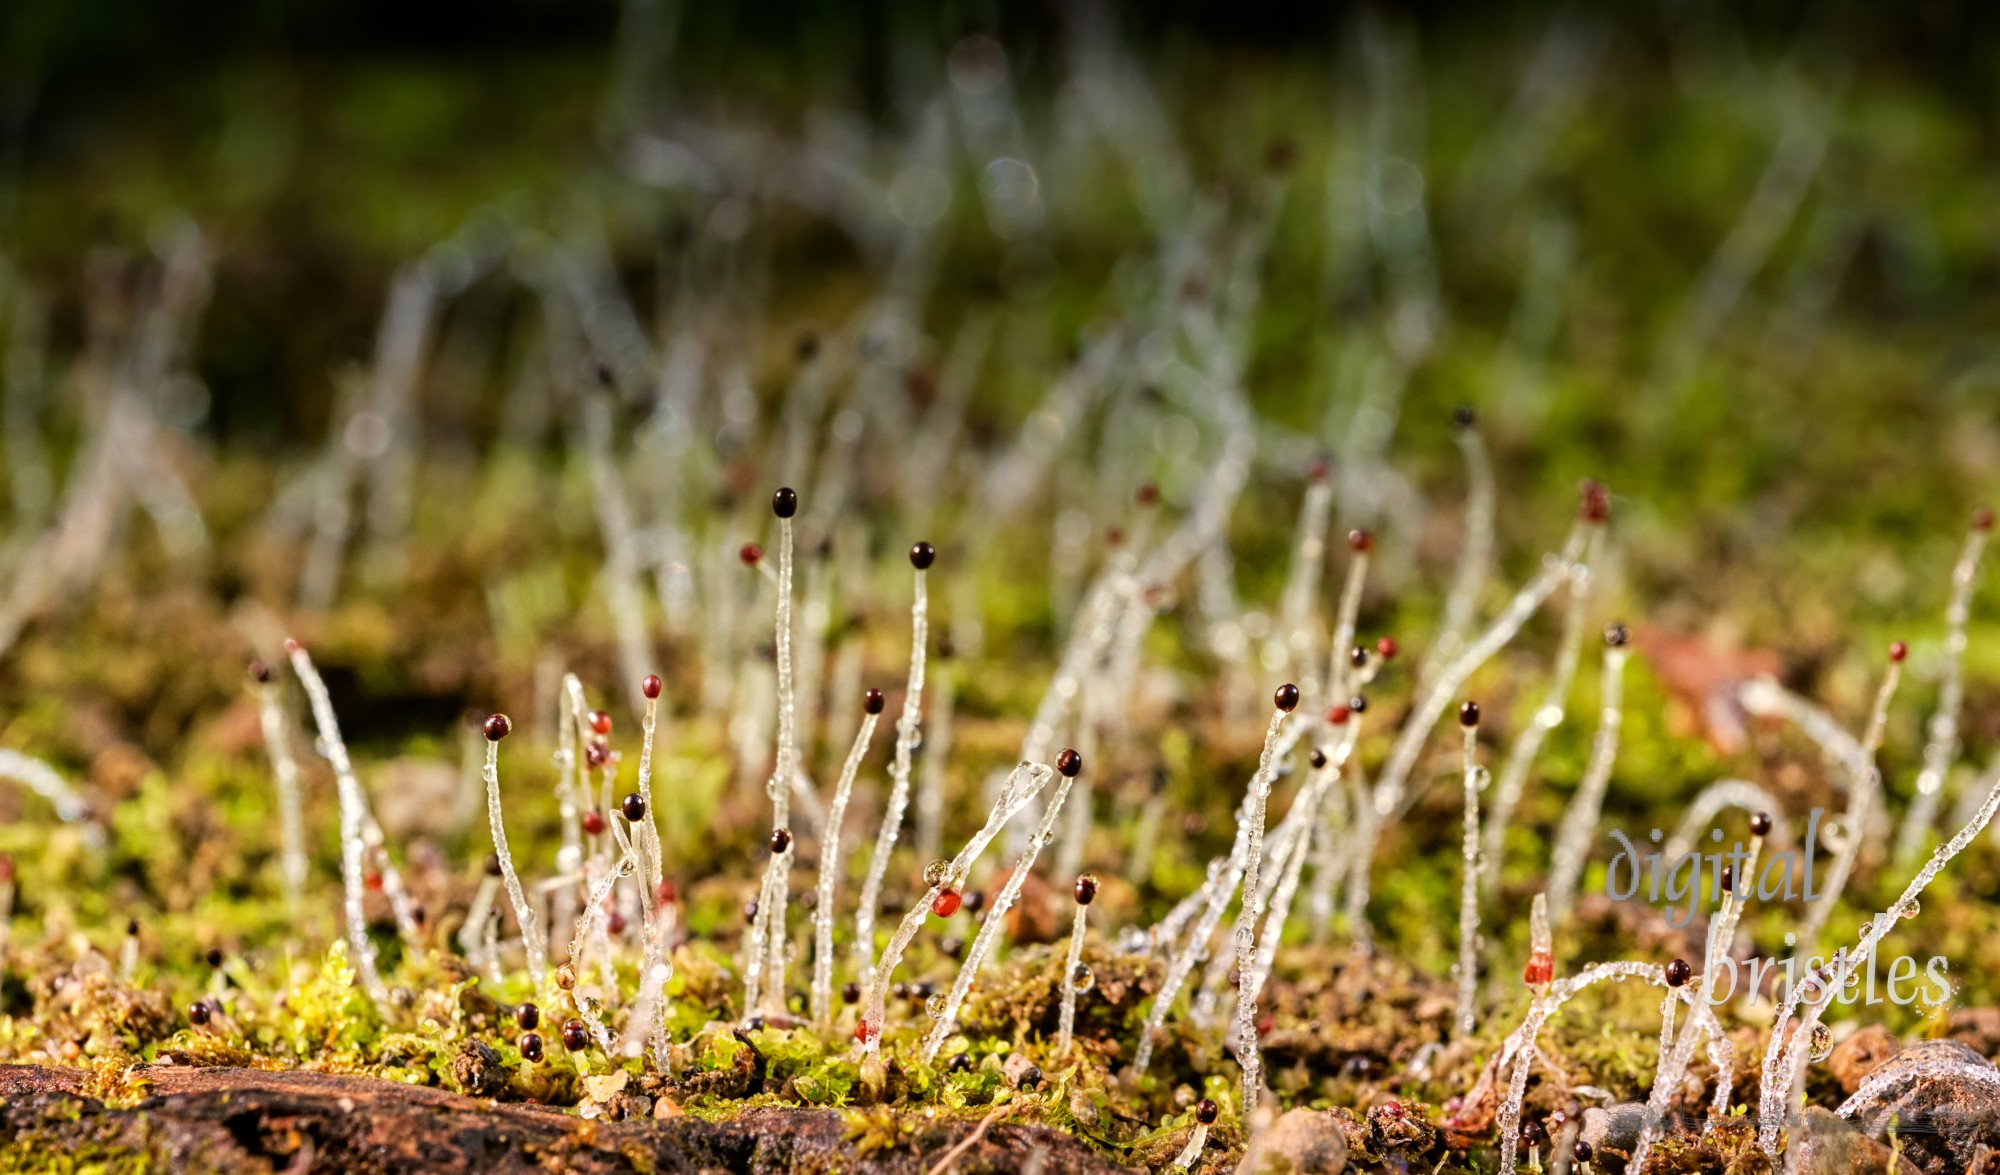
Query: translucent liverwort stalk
x=1782 y=1062
x=1068 y=765
x=497 y=728
x=1247 y=1055
x=1076 y=978
x=1547 y=717
x=1468 y=890
x=1872 y=1085
x=1519 y=1047
x=1475 y=556
x=572 y=793
x=1204 y=1116
x=1360 y=543
x=1860 y=801
x=586 y=924
x=1293 y=635
x=353 y=818
x=1326 y=772
x=43 y=780
x=478 y=922
x=768 y=938
x=285 y=775
x=907 y=725
x=1674 y=1059
x=655 y=962
x=931 y=780
x=1204 y=909
x=1942 y=745
x=1579 y=823
x=829 y=860
x=1023 y=784
x=1390 y=787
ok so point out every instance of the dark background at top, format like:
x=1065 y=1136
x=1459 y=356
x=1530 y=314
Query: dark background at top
x=82 y=52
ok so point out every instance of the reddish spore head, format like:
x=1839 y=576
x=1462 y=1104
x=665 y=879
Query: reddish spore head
x=651 y=687
x=1069 y=762
x=1595 y=501
x=497 y=727
x=1386 y=648
x=1360 y=541
x=750 y=553
x=872 y=701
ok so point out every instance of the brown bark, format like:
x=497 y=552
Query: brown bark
x=248 y=1120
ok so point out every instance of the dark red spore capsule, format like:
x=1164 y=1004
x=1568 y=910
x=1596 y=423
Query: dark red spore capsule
x=634 y=807
x=600 y=722
x=1069 y=762
x=785 y=502
x=651 y=686
x=922 y=555
x=750 y=553
x=528 y=1016
x=1086 y=889
x=531 y=1046
x=946 y=903
x=260 y=673
x=1386 y=648
x=1898 y=651
x=1287 y=697
x=1468 y=714
x=1678 y=973
x=1205 y=1111
x=497 y=727
x=1360 y=541
x=1595 y=505
x=575 y=1035
x=593 y=822
x=872 y=701
x=781 y=839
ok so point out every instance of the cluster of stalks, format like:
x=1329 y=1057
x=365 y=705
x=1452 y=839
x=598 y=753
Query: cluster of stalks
x=1349 y=747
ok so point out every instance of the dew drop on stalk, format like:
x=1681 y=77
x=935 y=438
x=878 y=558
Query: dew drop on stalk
x=1082 y=979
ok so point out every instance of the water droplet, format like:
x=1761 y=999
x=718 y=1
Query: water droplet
x=1911 y=910
x=935 y=1006
x=1082 y=979
x=934 y=873
x=1822 y=1044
